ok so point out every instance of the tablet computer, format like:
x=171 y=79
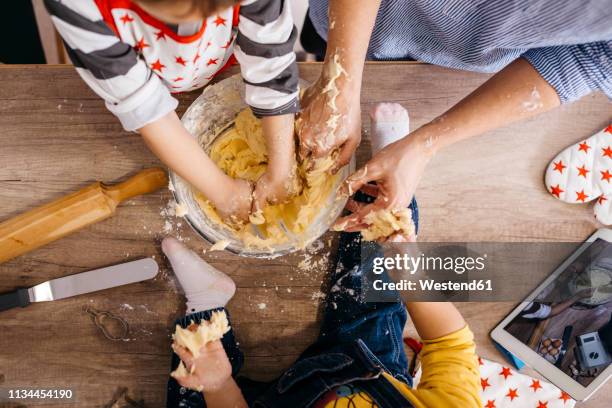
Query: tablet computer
x=563 y=329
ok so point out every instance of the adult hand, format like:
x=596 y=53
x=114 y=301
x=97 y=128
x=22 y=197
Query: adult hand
x=396 y=169
x=330 y=120
x=209 y=372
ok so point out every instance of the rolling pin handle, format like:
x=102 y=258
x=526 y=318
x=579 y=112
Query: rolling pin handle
x=20 y=297
x=144 y=182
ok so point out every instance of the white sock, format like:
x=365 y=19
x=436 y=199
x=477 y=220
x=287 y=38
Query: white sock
x=389 y=123
x=205 y=287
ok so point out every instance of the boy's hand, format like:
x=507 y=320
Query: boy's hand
x=209 y=372
x=323 y=129
x=279 y=182
x=274 y=189
x=236 y=204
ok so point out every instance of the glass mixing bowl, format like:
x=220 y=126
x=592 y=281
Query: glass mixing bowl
x=208 y=117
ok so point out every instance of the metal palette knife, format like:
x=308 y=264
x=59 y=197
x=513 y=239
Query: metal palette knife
x=81 y=283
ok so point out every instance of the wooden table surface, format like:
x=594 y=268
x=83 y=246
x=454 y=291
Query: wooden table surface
x=56 y=136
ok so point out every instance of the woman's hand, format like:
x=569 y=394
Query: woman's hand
x=210 y=372
x=396 y=169
x=330 y=119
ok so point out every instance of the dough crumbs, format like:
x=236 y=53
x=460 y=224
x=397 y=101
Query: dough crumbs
x=220 y=245
x=180 y=210
x=196 y=336
x=385 y=222
x=257 y=217
x=262 y=306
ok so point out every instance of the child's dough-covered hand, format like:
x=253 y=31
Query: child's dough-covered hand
x=209 y=372
x=330 y=120
x=237 y=202
x=274 y=189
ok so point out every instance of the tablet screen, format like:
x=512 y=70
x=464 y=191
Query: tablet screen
x=569 y=323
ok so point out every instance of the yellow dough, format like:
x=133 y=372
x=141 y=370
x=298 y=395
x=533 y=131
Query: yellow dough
x=241 y=153
x=194 y=337
x=386 y=222
x=197 y=335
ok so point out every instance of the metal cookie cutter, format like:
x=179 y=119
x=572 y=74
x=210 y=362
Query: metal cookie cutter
x=99 y=318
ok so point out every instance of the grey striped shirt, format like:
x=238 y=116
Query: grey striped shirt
x=569 y=42
x=134 y=61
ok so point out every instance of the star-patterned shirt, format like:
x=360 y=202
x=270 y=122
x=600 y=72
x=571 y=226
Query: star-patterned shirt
x=134 y=61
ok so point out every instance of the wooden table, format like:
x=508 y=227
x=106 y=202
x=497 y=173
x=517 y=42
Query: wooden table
x=56 y=136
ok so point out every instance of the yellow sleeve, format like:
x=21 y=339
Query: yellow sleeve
x=451 y=377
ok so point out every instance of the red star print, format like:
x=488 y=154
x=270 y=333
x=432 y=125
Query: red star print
x=535 y=384
x=210 y=77
x=157 y=66
x=542 y=404
x=227 y=44
x=180 y=60
x=160 y=35
x=559 y=166
x=208 y=44
x=565 y=397
x=480 y=362
x=607 y=152
x=212 y=61
x=580 y=196
x=484 y=383
x=490 y=404
x=609 y=129
x=582 y=171
x=556 y=191
x=605 y=175
x=219 y=21
x=584 y=147
x=505 y=372
x=601 y=199
x=140 y=45
x=197 y=57
x=178 y=79
x=512 y=393
x=126 y=18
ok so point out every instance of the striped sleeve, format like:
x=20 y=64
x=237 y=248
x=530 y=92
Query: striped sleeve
x=109 y=66
x=264 y=49
x=575 y=70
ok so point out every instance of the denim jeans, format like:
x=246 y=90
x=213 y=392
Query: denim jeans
x=358 y=340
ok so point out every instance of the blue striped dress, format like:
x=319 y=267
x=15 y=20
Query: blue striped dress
x=569 y=42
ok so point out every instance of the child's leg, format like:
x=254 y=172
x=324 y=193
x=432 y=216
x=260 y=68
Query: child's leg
x=207 y=290
x=347 y=317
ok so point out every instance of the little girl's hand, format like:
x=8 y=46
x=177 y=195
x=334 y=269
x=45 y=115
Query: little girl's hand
x=236 y=206
x=209 y=372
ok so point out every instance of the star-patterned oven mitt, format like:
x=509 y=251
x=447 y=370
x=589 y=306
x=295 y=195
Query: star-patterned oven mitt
x=503 y=387
x=583 y=172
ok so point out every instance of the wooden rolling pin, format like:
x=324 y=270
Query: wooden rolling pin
x=61 y=217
